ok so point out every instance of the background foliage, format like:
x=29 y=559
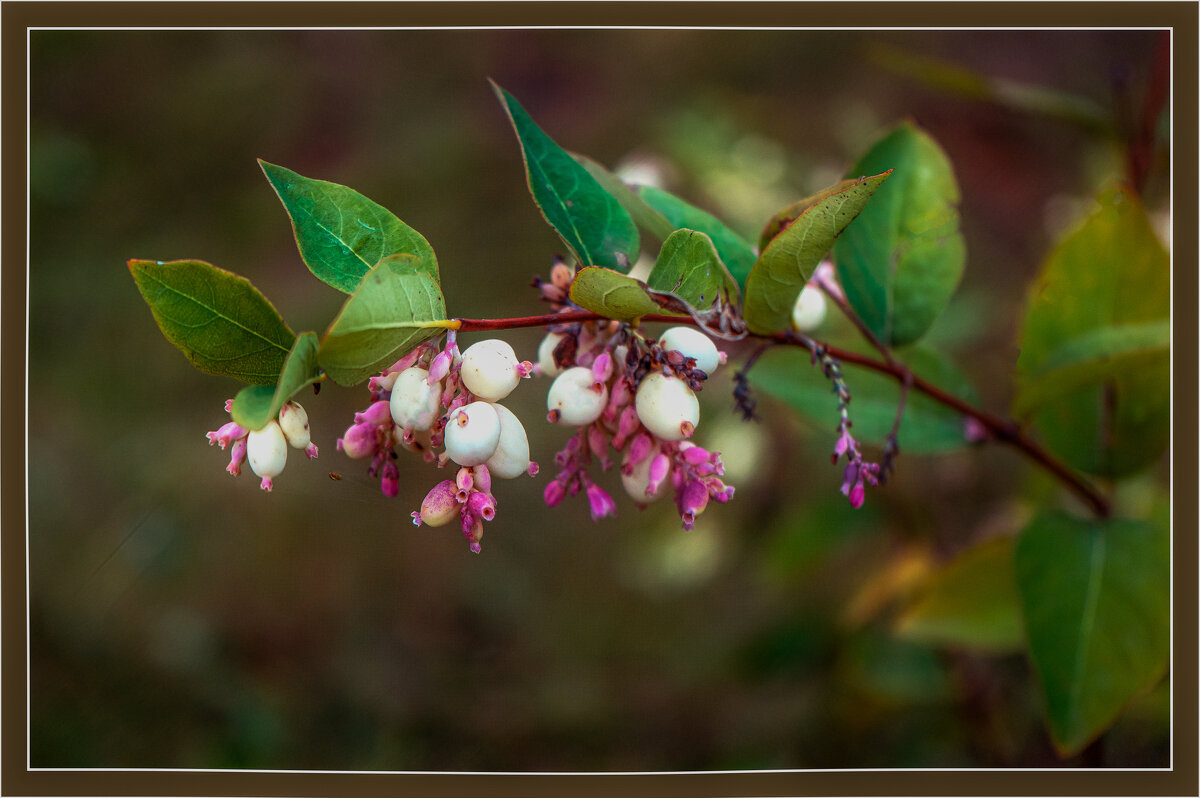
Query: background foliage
x=181 y=619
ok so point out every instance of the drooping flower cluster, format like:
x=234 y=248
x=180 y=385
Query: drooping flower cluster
x=635 y=396
x=265 y=449
x=448 y=400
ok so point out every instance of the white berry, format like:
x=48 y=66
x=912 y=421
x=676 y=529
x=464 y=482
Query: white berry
x=809 y=310
x=414 y=402
x=546 y=354
x=489 y=369
x=472 y=434
x=511 y=458
x=667 y=407
x=694 y=344
x=294 y=423
x=266 y=449
x=577 y=397
x=638 y=481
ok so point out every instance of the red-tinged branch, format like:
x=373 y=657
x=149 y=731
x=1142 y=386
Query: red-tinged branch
x=1003 y=430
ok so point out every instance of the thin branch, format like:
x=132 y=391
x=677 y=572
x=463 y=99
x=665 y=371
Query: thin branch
x=1003 y=430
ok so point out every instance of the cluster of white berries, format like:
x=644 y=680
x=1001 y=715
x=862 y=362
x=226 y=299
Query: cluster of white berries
x=447 y=399
x=636 y=396
x=266 y=448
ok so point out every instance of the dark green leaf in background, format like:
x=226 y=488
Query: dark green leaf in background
x=612 y=294
x=255 y=405
x=1094 y=370
x=220 y=321
x=901 y=260
x=598 y=230
x=688 y=267
x=340 y=233
x=383 y=320
x=926 y=427
x=788 y=261
x=969 y=603
x=1096 y=602
x=639 y=210
x=736 y=253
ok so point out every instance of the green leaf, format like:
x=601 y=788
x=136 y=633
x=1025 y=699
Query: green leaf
x=613 y=295
x=220 y=321
x=255 y=405
x=639 y=210
x=340 y=233
x=590 y=221
x=1093 y=375
x=385 y=318
x=1102 y=354
x=971 y=602
x=688 y=267
x=788 y=261
x=901 y=260
x=1096 y=600
x=736 y=253
x=927 y=426
x=787 y=215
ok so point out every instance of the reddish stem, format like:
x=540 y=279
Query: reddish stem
x=1004 y=430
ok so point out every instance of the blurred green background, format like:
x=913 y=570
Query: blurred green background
x=181 y=618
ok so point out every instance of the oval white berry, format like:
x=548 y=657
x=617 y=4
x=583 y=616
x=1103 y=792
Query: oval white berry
x=511 y=458
x=667 y=407
x=809 y=310
x=294 y=423
x=489 y=369
x=546 y=354
x=472 y=434
x=414 y=402
x=636 y=482
x=577 y=397
x=266 y=450
x=694 y=344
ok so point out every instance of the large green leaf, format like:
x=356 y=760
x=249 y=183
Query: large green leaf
x=220 y=321
x=688 y=267
x=926 y=427
x=1093 y=375
x=255 y=405
x=340 y=233
x=1096 y=601
x=788 y=261
x=612 y=294
x=736 y=253
x=590 y=221
x=971 y=602
x=383 y=320
x=1102 y=354
x=639 y=210
x=901 y=260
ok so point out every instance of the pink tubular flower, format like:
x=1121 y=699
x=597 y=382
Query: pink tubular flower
x=359 y=441
x=378 y=414
x=599 y=502
x=482 y=505
x=237 y=457
x=226 y=434
x=554 y=493
x=390 y=481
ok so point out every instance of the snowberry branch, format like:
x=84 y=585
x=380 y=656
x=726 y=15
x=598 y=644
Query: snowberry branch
x=999 y=429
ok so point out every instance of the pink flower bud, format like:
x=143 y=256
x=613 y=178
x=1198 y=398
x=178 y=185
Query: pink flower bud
x=599 y=502
x=378 y=414
x=474 y=536
x=482 y=505
x=857 y=495
x=390 y=482
x=694 y=455
x=440 y=367
x=626 y=426
x=464 y=480
x=660 y=469
x=554 y=493
x=598 y=443
x=359 y=442
x=639 y=449
x=237 y=457
x=226 y=434
x=602 y=367
x=692 y=501
x=482 y=478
